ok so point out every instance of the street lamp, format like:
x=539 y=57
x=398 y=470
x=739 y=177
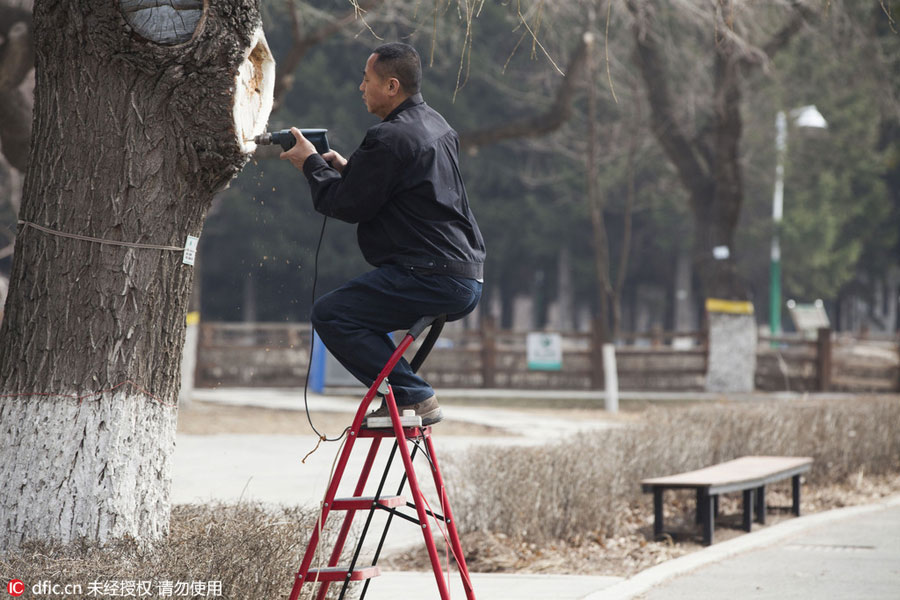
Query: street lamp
x=805 y=116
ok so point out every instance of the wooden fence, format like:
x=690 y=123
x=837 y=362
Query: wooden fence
x=276 y=354
x=493 y=358
x=828 y=363
x=252 y=354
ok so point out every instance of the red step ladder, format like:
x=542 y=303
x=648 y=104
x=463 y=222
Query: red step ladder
x=420 y=438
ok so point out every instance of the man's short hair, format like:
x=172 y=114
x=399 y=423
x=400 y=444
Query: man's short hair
x=400 y=60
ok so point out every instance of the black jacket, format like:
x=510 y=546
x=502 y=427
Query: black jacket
x=404 y=189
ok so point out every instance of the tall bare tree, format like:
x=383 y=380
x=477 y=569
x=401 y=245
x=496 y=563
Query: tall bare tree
x=141 y=114
x=705 y=149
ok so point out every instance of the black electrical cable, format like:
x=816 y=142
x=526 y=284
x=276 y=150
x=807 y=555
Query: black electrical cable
x=312 y=342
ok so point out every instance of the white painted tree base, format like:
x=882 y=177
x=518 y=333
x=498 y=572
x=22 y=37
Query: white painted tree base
x=104 y=466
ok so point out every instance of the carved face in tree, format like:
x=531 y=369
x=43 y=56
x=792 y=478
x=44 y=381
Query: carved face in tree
x=164 y=22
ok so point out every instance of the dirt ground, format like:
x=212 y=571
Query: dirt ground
x=207 y=418
x=622 y=556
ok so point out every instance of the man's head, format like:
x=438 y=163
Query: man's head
x=393 y=73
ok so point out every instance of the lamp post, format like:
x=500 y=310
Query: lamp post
x=805 y=116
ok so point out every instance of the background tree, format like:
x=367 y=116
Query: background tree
x=703 y=141
x=529 y=192
x=16 y=61
x=16 y=66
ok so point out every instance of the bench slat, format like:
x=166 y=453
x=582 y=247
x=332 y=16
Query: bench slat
x=755 y=469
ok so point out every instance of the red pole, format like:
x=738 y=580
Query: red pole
x=451 y=522
x=417 y=496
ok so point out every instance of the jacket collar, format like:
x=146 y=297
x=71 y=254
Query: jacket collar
x=413 y=100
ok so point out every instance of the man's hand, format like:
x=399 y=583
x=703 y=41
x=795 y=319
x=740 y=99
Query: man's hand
x=337 y=161
x=302 y=150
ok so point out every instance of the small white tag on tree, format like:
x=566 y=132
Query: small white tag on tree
x=190 y=250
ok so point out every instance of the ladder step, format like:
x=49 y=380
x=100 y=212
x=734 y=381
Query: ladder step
x=340 y=574
x=365 y=502
x=386 y=432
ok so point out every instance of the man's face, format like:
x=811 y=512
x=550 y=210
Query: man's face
x=378 y=92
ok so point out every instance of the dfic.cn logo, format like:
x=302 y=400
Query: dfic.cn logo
x=15 y=587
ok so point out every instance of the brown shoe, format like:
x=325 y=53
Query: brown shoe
x=428 y=409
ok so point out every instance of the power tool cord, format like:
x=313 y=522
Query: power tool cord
x=312 y=341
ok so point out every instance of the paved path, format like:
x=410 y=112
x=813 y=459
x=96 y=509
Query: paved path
x=489 y=586
x=841 y=554
x=268 y=468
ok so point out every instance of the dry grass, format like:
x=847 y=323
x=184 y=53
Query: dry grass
x=587 y=489
x=253 y=550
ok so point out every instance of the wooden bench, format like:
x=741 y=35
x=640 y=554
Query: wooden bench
x=749 y=474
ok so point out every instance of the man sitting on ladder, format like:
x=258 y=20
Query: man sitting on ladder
x=404 y=189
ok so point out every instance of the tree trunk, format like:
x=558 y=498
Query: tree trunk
x=565 y=296
x=717 y=220
x=622 y=270
x=137 y=123
x=595 y=198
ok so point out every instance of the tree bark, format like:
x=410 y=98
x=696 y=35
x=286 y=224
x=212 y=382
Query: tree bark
x=132 y=137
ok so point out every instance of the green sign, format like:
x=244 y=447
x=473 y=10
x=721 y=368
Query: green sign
x=544 y=351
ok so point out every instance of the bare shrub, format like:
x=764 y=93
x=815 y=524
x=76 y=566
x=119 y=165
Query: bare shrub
x=588 y=487
x=252 y=549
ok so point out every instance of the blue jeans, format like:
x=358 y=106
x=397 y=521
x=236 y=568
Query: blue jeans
x=354 y=321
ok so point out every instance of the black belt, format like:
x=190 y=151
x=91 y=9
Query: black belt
x=444 y=266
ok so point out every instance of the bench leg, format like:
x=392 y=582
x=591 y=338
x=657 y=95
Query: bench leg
x=707 y=511
x=748 y=510
x=761 y=504
x=795 y=482
x=715 y=504
x=699 y=511
x=657 y=511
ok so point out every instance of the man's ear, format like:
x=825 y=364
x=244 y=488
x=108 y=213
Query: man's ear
x=393 y=86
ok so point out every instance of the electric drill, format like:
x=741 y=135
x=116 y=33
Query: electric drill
x=287 y=140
